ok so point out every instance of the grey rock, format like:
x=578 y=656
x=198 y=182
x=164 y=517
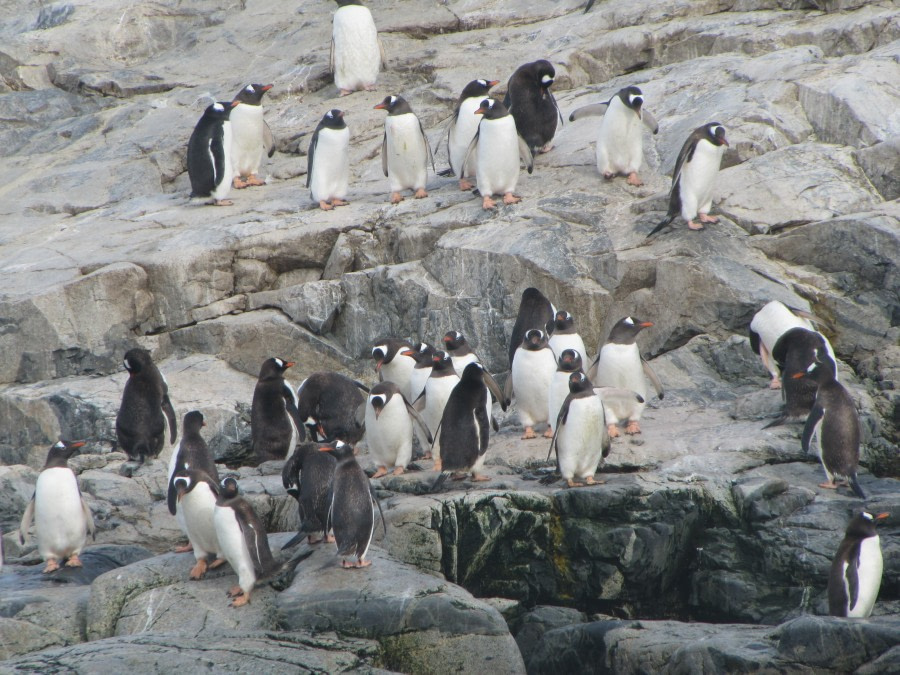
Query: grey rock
x=534 y=625
x=881 y=162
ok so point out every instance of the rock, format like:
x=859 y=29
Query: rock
x=843 y=645
x=882 y=166
x=534 y=625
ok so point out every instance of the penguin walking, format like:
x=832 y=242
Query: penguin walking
x=692 y=180
x=535 y=311
x=462 y=129
x=327 y=404
x=209 y=154
x=529 y=100
x=431 y=403
x=569 y=362
x=250 y=136
x=275 y=423
x=357 y=54
x=394 y=362
x=307 y=477
x=620 y=143
x=61 y=516
x=191 y=454
x=405 y=152
x=768 y=325
x=389 y=427
x=497 y=147
x=423 y=355
x=580 y=436
x=619 y=365
x=193 y=496
x=565 y=336
x=855 y=575
x=532 y=371
x=328 y=172
x=145 y=409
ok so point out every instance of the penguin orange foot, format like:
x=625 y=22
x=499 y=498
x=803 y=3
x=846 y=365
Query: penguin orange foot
x=420 y=193
x=529 y=433
x=695 y=226
x=396 y=198
x=218 y=562
x=465 y=185
x=829 y=485
x=478 y=478
x=346 y=92
x=548 y=433
x=198 y=570
x=612 y=430
x=633 y=428
x=339 y=202
x=706 y=218
x=438 y=465
x=510 y=198
x=239 y=184
x=187 y=548
x=357 y=565
x=634 y=180
x=398 y=470
x=775 y=383
x=241 y=600
x=254 y=181
x=487 y=203
x=51 y=566
x=223 y=202
x=571 y=483
x=235 y=591
x=325 y=206
x=380 y=472
x=74 y=561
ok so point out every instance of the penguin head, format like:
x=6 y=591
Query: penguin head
x=395 y=105
x=862 y=525
x=61 y=451
x=220 y=110
x=563 y=320
x=579 y=382
x=454 y=339
x=378 y=401
x=274 y=367
x=422 y=354
x=715 y=133
x=441 y=361
x=137 y=360
x=182 y=482
x=626 y=330
x=632 y=97
x=333 y=119
x=252 y=94
x=338 y=449
x=474 y=372
x=477 y=88
x=821 y=367
x=229 y=489
x=534 y=339
x=193 y=422
x=382 y=354
x=491 y=109
x=570 y=360
x=544 y=73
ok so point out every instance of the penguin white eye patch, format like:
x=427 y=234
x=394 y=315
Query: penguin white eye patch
x=546 y=79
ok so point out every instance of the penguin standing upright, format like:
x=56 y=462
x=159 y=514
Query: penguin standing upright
x=275 y=424
x=193 y=496
x=327 y=405
x=405 y=152
x=328 y=161
x=356 y=52
x=389 y=427
x=145 y=408
x=569 y=362
x=307 y=476
x=250 y=136
x=394 y=362
x=209 y=154
x=498 y=148
x=855 y=575
x=529 y=100
x=463 y=127
x=692 y=180
x=62 y=518
x=460 y=351
x=423 y=355
x=191 y=453
x=580 y=437
x=532 y=370
x=433 y=400
x=565 y=336
x=620 y=143
x=535 y=311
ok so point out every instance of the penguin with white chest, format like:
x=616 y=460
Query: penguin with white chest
x=620 y=142
x=565 y=336
x=535 y=311
x=250 y=136
x=145 y=409
x=389 y=427
x=531 y=103
x=405 y=151
x=580 y=437
x=191 y=454
x=423 y=355
x=357 y=54
x=532 y=371
x=193 y=495
x=328 y=161
x=394 y=362
x=462 y=355
x=462 y=129
x=61 y=516
x=431 y=403
x=275 y=423
x=855 y=576
x=209 y=154
x=569 y=362
x=307 y=477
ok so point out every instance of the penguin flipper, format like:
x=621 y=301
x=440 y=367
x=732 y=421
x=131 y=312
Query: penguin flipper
x=420 y=403
x=649 y=121
x=556 y=105
x=595 y=109
x=649 y=372
x=439 y=481
x=436 y=432
x=290 y=472
x=331 y=58
x=310 y=155
x=378 y=504
x=296 y=539
x=254 y=537
x=268 y=139
x=384 y=154
x=473 y=144
x=777 y=422
x=171 y=495
x=851 y=577
x=88 y=519
x=27 y=519
x=612 y=393
x=855 y=486
x=381 y=54
x=589 y=5
x=360 y=385
x=560 y=420
x=815 y=415
x=526 y=155
x=666 y=221
x=429 y=156
x=508 y=387
x=418 y=419
x=360 y=415
x=170 y=415
x=494 y=389
x=592 y=371
x=484 y=429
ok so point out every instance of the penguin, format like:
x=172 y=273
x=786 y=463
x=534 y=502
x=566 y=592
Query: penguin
x=351 y=512
x=772 y=321
x=61 y=516
x=275 y=424
x=531 y=104
x=193 y=494
x=835 y=419
x=394 y=362
x=250 y=136
x=463 y=127
x=423 y=355
x=532 y=371
x=209 y=154
x=855 y=575
x=327 y=405
x=619 y=364
x=405 y=152
x=794 y=352
x=145 y=409
x=307 y=477
x=569 y=362
x=535 y=311
x=191 y=453
x=433 y=400
x=328 y=173
x=497 y=148
x=565 y=336
x=357 y=54
x=389 y=427
x=692 y=180
x=579 y=436
x=462 y=355
x=620 y=143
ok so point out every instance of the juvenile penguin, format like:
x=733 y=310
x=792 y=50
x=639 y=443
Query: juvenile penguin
x=193 y=496
x=389 y=427
x=275 y=423
x=620 y=143
x=423 y=355
x=535 y=311
x=855 y=575
x=569 y=362
x=580 y=437
x=356 y=52
x=327 y=404
x=61 y=516
x=191 y=453
x=433 y=400
x=532 y=371
x=695 y=172
x=209 y=154
x=145 y=409
x=250 y=136
x=405 y=152
x=835 y=418
x=530 y=102
x=307 y=476
x=498 y=148
x=462 y=129
x=767 y=326
x=619 y=364
x=565 y=336
x=394 y=362
x=328 y=161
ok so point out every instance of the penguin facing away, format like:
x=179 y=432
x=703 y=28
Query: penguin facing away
x=195 y=494
x=328 y=161
x=532 y=371
x=275 y=423
x=580 y=437
x=431 y=403
x=250 y=135
x=191 y=454
x=307 y=476
x=529 y=100
x=535 y=311
x=327 y=404
x=462 y=129
x=856 y=570
x=394 y=362
x=405 y=151
x=357 y=54
x=565 y=336
x=389 y=427
x=145 y=409
x=209 y=154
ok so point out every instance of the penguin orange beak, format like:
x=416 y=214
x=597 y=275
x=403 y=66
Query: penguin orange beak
x=290 y=363
x=267 y=87
x=797 y=376
x=234 y=103
x=408 y=352
x=493 y=83
x=480 y=111
x=882 y=516
x=79 y=444
x=378 y=365
x=646 y=324
x=380 y=106
x=724 y=141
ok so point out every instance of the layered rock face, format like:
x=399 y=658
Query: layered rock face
x=705 y=516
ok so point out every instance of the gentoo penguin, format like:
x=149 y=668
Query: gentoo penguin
x=619 y=365
x=793 y=353
x=565 y=336
x=497 y=147
x=328 y=173
x=191 y=454
x=535 y=311
x=307 y=476
x=275 y=424
x=462 y=355
x=394 y=362
x=834 y=416
x=195 y=494
x=620 y=143
x=209 y=155
x=463 y=127
x=389 y=427
x=62 y=518
x=767 y=326
x=250 y=136
x=351 y=514
x=356 y=52
x=532 y=370
x=405 y=152
x=692 y=180
x=327 y=404
x=433 y=400
x=855 y=575
x=141 y=422
x=423 y=355
x=580 y=437
x=531 y=104
x=569 y=362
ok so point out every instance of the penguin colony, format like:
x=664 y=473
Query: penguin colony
x=444 y=395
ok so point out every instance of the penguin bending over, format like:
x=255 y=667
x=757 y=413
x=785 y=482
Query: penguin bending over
x=855 y=575
x=145 y=409
x=532 y=371
x=531 y=104
x=327 y=404
x=356 y=52
x=794 y=352
x=250 y=136
x=405 y=151
x=191 y=454
x=193 y=495
x=565 y=336
x=394 y=362
x=209 y=154
x=307 y=477
x=328 y=172
x=767 y=327
x=275 y=423
x=535 y=311
x=462 y=129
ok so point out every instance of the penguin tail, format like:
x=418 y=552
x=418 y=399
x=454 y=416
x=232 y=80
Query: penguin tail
x=296 y=539
x=438 y=484
x=854 y=485
x=550 y=478
x=446 y=173
x=778 y=421
x=665 y=223
x=283 y=575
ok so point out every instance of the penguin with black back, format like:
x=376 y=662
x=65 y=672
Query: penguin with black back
x=250 y=136
x=529 y=100
x=569 y=362
x=535 y=311
x=209 y=154
x=191 y=454
x=405 y=151
x=565 y=336
x=855 y=576
x=394 y=362
x=423 y=355
x=193 y=494
x=145 y=409
x=328 y=161
x=327 y=404
x=462 y=129
x=275 y=423
x=307 y=476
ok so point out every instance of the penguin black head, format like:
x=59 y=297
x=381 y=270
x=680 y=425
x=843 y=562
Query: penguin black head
x=378 y=402
x=632 y=97
x=477 y=88
x=862 y=525
x=220 y=110
x=544 y=73
x=422 y=355
x=534 y=340
x=274 y=367
x=182 y=483
x=492 y=109
x=714 y=133
x=441 y=361
x=193 y=422
x=563 y=320
x=395 y=105
x=61 y=451
x=252 y=94
x=474 y=372
x=137 y=360
x=822 y=368
x=579 y=382
x=570 y=361
x=626 y=330
x=344 y=3
x=229 y=488
x=339 y=449
x=454 y=340
x=333 y=119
